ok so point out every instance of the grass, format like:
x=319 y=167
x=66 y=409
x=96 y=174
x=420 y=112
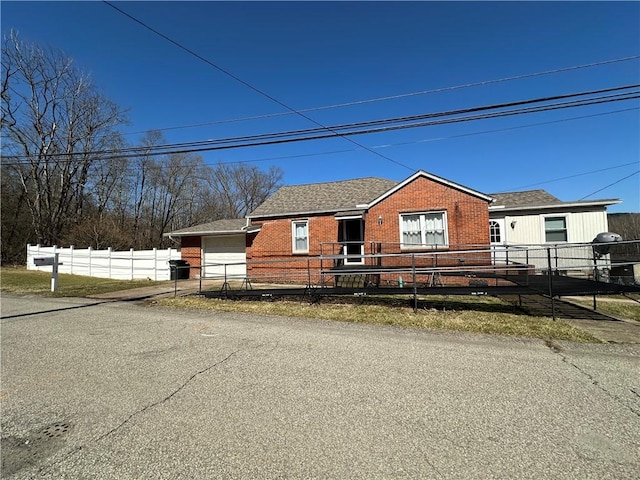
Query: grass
x=617 y=306
x=20 y=281
x=478 y=314
x=485 y=315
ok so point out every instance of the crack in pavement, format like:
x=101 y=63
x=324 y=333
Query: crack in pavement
x=168 y=397
x=138 y=412
x=555 y=349
x=418 y=447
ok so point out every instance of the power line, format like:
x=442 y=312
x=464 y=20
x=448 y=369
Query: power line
x=611 y=184
x=332 y=152
x=248 y=85
x=506 y=129
x=393 y=97
x=374 y=126
x=281 y=138
x=569 y=177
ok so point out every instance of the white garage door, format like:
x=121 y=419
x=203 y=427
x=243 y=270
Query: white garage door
x=226 y=250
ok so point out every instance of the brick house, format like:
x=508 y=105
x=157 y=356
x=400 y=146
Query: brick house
x=344 y=222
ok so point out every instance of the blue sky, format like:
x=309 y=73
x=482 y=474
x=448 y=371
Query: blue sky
x=314 y=54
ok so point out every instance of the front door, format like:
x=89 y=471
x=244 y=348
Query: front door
x=353 y=241
x=497 y=239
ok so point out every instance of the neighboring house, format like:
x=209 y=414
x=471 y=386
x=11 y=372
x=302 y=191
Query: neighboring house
x=537 y=218
x=286 y=233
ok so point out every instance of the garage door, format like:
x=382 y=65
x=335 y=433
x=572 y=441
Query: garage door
x=226 y=250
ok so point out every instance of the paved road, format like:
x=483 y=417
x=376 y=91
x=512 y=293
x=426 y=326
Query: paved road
x=116 y=390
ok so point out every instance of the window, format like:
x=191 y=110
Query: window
x=423 y=229
x=494 y=232
x=300 y=236
x=555 y=229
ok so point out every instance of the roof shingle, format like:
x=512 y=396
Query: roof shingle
x=323 y=197
x=528 y=198
x=218 y=226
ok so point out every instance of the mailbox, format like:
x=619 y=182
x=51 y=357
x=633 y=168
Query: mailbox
x=43 y=261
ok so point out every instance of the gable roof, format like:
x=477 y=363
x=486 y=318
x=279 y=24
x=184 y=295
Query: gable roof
x=347 y=195
x=323 y=197
x=541 y=199
x=220 y=227
x=434 y=178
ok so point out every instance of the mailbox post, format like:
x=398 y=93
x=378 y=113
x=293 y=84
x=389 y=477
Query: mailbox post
x=53 y=261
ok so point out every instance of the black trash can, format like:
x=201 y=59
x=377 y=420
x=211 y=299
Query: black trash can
x=179 y=269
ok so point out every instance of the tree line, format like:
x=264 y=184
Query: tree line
x=64 y=183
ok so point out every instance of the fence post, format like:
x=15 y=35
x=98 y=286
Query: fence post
x=415 y=286
x=155 y=263
x=89 y=260
x=169 y=257
x=553 y=305
x=54 y=271
x=131 y=253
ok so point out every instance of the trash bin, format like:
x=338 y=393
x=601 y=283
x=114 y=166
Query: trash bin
x=179 y=269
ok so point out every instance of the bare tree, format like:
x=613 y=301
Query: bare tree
x=236 y=190
x=16 y=227
x=63 y=174
x=627 y=225
x=54 y=122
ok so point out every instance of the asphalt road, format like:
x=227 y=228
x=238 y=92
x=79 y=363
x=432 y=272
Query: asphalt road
x=116 y=390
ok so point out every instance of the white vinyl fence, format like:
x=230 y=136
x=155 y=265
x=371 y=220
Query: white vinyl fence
x=120 y=265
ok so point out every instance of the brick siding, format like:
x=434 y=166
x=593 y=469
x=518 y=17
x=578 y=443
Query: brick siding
x=191 y=251
x=270 y=255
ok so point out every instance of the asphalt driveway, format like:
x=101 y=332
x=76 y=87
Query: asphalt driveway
x=103 y=389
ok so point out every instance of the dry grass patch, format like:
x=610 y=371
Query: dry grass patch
x=619 y=307
x=21 y=281
x=489 y=315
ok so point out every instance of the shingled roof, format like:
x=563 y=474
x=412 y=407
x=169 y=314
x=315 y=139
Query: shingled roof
x=234 y=225
x=526 y=198
x=532 y=199
x=323 y=197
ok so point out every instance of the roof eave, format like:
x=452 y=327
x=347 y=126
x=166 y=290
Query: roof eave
x=595 y=203
x=203 y=232
x=295 y=214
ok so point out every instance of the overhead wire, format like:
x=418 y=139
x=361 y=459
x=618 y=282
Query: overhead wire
x=611 y=184
x=568 y=177
x=281 y=137
x=298 y=112
x=250 y=86
x=368 y=127
x=393 y=97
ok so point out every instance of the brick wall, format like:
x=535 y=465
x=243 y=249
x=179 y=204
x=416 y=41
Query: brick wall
x=270 y=251
x=270 y=256
x=467 y=215
x=191 y=251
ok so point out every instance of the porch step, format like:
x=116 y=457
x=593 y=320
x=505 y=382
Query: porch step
x=351 y=281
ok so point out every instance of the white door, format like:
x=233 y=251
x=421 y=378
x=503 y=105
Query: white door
x=497 y=239
x=224 y=251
